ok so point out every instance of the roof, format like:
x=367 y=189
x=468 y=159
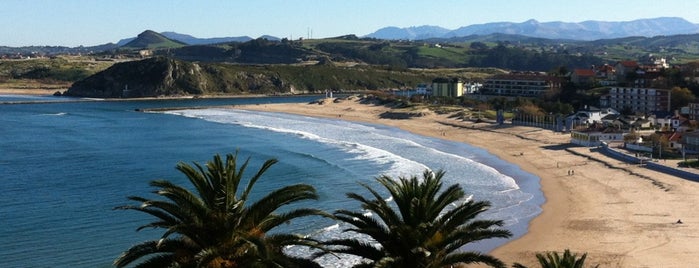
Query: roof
x=525 y=76
x=628 y=63
x=676 y=136
x=605 y=67
x=446 y=80
x=610 y=117
x=584 y=72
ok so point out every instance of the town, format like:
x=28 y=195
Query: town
x=642 y=106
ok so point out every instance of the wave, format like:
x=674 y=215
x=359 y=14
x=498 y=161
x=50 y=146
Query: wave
x=398 y=153
x=399 y=166
x=56 y=114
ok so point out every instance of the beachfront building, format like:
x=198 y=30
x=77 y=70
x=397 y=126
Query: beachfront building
x=520 y=84
x=447 y=87
x=639 y=100
x=596 y=137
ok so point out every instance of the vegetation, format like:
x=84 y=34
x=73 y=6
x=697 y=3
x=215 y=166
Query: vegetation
x=152 y=40
x=423 y=230
x=218 y=225
x=163 y=76
x=554 y=260
x=59 y=69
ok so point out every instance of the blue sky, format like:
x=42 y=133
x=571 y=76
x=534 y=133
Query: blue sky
x=94 y=22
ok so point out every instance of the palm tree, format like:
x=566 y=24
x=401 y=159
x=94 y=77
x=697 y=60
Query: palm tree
x=422 y=231
x=214 y=226
x=553 y=260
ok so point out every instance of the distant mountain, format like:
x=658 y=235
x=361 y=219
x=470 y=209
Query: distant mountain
x=410 y=33
x=587 y=30
x=191 y=40
x=152 y=40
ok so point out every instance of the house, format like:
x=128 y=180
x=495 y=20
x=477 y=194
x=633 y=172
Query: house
x=642 y=123
x=583 y=76
x=674 y=140
x=662 y=119
x=605 y=75
x=521 y=84
x=447 y=87
x=624 y=69
x=590 y=115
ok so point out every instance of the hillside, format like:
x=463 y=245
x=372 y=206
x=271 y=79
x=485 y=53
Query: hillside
x=152 y=40
x=168 y=77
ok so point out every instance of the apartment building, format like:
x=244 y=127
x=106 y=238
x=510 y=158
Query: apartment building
x=639 y=100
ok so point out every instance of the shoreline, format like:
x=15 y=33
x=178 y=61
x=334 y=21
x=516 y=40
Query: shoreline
x=600 y=210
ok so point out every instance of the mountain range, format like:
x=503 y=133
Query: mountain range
x=552 y=31
x=586 y=30
x=583 y=31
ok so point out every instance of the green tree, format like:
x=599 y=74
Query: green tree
x=553 y=260
x=422 y=230
x=216 y=225
x=680 y=97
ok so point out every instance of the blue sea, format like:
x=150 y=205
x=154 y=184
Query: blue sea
x=65 y=165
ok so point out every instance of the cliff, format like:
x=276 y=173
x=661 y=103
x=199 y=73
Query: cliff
x=169 y=77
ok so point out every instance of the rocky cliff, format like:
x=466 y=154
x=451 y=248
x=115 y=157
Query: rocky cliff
x=162 y=76
x=168 y=77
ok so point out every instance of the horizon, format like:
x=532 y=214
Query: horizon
x=74 y=23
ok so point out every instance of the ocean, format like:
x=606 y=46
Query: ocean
x=64 y=166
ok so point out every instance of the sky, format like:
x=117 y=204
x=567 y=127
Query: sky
x=95 y=22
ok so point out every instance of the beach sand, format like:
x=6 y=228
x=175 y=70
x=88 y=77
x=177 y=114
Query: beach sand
x=28 y=91
x=622 y=215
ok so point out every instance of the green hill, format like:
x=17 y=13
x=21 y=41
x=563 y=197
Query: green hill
x=162 y=76
x=152 y=40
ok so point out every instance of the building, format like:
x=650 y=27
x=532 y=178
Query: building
x=447 y=87
x=472 y=87
x=596 y=137
x=624 y=68
x=529 y=84
x=693 y=111
x=423 y=89
x=690 y=142
x=639 y=100
x=583 y=76
x=605 y=75
x=590 y=115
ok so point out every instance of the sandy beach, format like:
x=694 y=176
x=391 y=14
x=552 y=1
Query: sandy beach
x=27 y=91
x=622 y=215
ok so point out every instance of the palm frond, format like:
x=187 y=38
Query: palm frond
x=422 y=229
x=274 y=220
x=471 y=258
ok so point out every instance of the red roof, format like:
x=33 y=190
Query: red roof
x=675 y=137
x=584 y=72
x=629 y=63
x=605 y=67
